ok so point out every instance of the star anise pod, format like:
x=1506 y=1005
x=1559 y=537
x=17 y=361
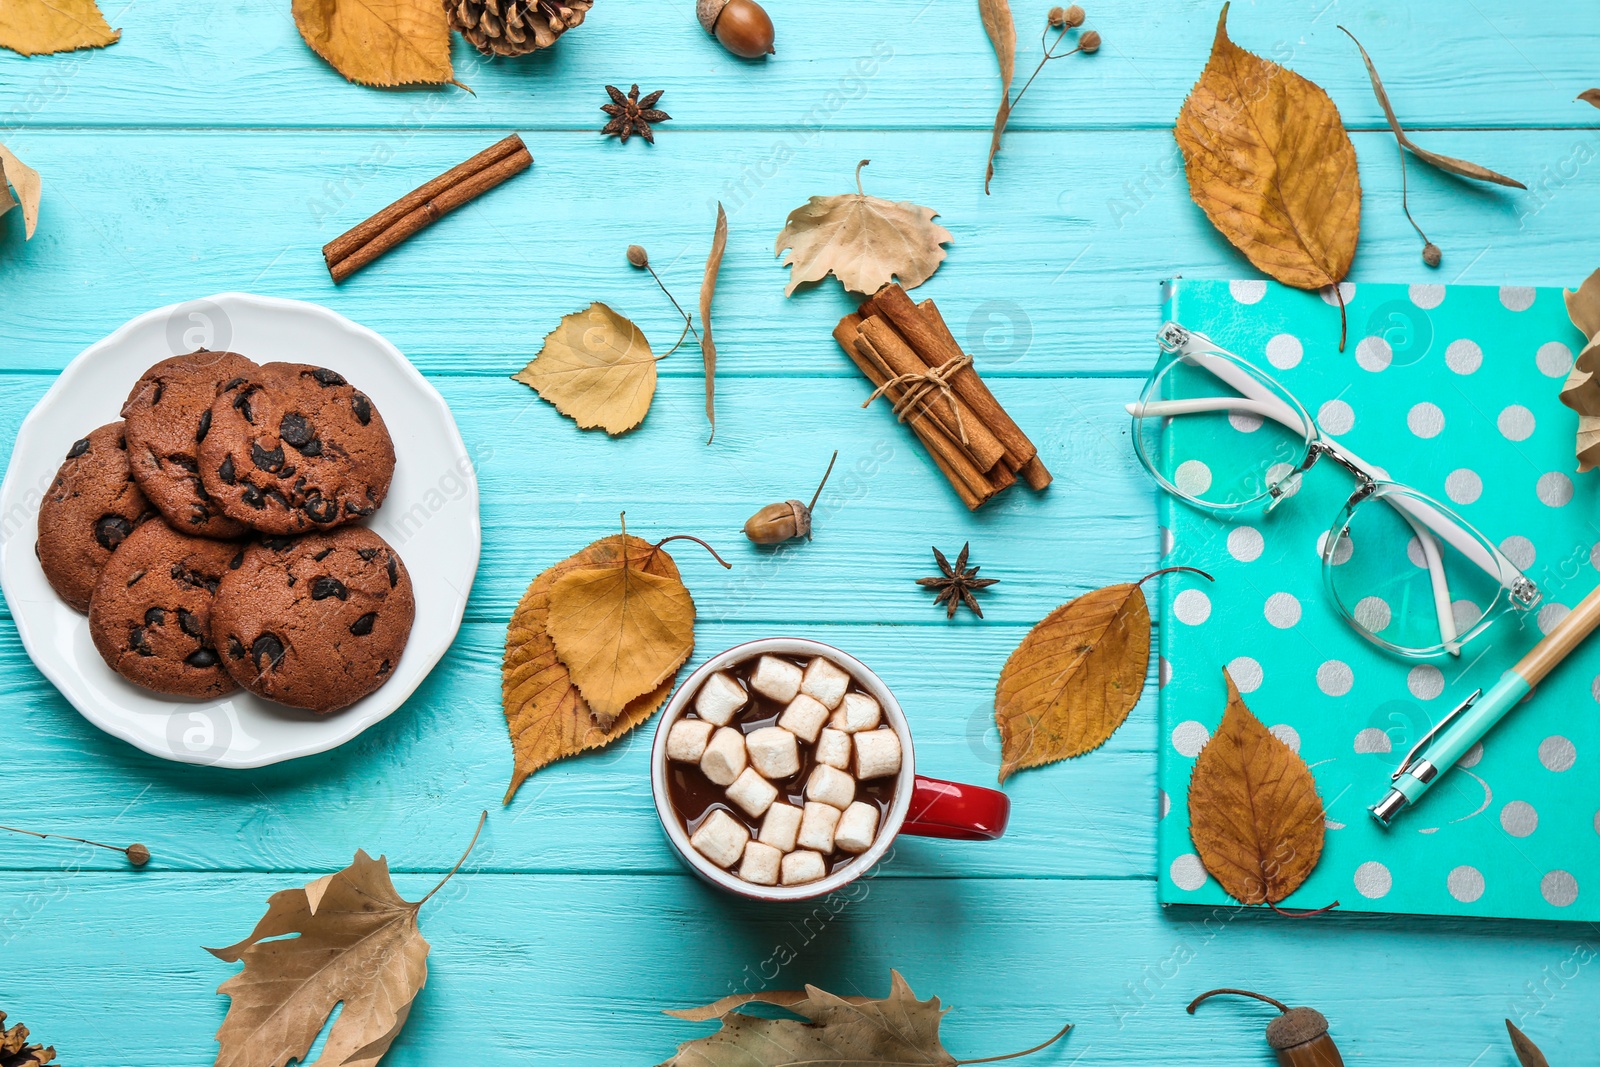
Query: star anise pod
x=958 y=583
x=630 y=115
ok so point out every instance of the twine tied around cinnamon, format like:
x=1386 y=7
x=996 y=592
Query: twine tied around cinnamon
x=920 y=384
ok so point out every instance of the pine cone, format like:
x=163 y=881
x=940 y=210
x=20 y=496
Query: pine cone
x=15 y=1050
x=514 y=27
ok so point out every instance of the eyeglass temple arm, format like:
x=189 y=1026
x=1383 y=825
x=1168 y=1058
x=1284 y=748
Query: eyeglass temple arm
x=1441 y=587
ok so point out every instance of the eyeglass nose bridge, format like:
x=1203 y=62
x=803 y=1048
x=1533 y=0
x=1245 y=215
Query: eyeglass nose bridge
x=1285 y=487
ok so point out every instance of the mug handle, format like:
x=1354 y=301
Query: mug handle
x=956 y=811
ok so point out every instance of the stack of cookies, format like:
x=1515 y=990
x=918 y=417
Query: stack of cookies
x=211 y=534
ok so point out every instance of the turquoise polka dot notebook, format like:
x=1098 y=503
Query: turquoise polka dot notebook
x=1452 y=390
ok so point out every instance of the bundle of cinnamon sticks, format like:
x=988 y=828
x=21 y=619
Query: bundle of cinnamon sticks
x=913 y=361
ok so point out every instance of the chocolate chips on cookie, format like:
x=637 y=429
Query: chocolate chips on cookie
x=90 y=509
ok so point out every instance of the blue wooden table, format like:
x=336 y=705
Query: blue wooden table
x=210 y=150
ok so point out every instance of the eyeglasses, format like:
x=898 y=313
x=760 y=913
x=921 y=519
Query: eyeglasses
x=1404 y=570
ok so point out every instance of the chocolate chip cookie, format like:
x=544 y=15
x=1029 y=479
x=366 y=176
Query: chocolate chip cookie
x=150 y=616
x=90 y=509
x=168 y=416
x=317 y=621
x=294 y=448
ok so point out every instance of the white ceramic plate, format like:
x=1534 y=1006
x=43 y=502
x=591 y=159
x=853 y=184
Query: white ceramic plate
x=430 y=517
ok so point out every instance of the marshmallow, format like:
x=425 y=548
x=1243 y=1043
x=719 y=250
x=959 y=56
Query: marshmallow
x=776 y=679
x=687 y=739
x=802 y=867
x=825 y=682
x=833 y=749
x=719 y=698
x=752 y=792
x=774 y=752
x=816 y=827
x=858 y=711
x=857 y=827
x=760 y=866
x=781 y=827
x=829 y=785
x=804 y=717
x=877 y=754
x=720 y=839
x=724 y=756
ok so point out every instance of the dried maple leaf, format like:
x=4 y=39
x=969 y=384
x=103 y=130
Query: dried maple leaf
x=1072 y=681
x=359 y=945
x=1002 y=31
x=840 y=1031
x=547 y=716
x=19 y=184
x=708 y=289
x=17 y=1051
x=1528 y=1053
x=597 y=368
x=1254 y=813
x=1270 y=163
x=380 y=42
x=621 y=629
x=1590 y=96
x=39 y=27
x=1581 y=390
x=863 y=241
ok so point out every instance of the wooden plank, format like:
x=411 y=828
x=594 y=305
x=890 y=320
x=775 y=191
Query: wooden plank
x=1055 y=273
x=885 y=64
x=514 y=971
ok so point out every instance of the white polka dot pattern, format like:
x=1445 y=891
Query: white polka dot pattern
x=1425 y=681
x=1465 y=884
x=1284 y=351
x=1191 y=607
x=1189 y=737
x=1519 y=819
x=1335 y=678
x=1371 y=740
x=1463 y=356
x=1283 y=611
x=1515 y=423
x=1336 y=417
x=1519 y=550
x=1249 y=291
x=1559 y=888
x=1287 y=734
x=1373 y=880
x=1192 y=477
x=1373 y=354
x=1187 y=872
x=1426 y=420
x=1516 y=297
x=1463 y=486
x=1246 y=673
x=1426 y=297
x=1245 y=543
x=1553 y=359
x=1557 y=754
x=1554 y=489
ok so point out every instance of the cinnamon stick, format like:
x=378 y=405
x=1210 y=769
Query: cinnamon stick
x=956 y=418
x=424 y=206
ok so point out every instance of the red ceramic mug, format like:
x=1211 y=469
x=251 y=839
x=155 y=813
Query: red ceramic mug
x=923 y=807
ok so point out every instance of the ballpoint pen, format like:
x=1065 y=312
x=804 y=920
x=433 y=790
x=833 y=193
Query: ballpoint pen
x=1466 y=724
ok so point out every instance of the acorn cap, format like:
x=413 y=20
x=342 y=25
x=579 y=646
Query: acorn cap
x=708 y=11
x=1296 y=1027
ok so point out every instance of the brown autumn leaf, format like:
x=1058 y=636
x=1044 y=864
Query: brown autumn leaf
x=1254 y=813
x=547 y=716
x=1590 y=96
x=1528 y=1053
x=1072 y=681
x=20 y=184
x=708 y=289
x=40 y=27
x=863 y=241
x=1269 y=162
x=359 y=945
x=1588 y=444
x=621 y=629
x=1581 y=390
x=1002 y=31
x=596 y=367
x=379 y=42
x=15 y=1048
x=856 y=1031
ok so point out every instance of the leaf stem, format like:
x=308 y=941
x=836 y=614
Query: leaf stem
x=64 y=837
x=482 y=818
x=688 y=324
x=1025 y=1052
x=1303 y=914
x=1049 y=54
x=1174 y=570
x=1195 y=1003
x=860 y=191
x=824 y=480
x=690 y=537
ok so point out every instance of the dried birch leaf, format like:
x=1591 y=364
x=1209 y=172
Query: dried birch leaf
x=1072 y=681
x=708 y=289
x=40 y=27
x=1528 y=1053
x=621 y=629
x=1269 y=162
x=379 y=42
x=863 y=241
x=1445 y=163
x=856 y=1031
x=1583 y=306
x=596 y=368
x=1254 y=813
x=1002 y=31
x=25 y=189
x=547 y=716
x=1590 y=96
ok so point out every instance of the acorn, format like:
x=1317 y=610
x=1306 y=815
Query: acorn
x=1299 y=1036
x=777 y=523
x=743 y=26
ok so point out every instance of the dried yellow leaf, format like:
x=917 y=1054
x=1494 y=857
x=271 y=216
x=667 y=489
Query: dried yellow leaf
x=547 y=716
x=1254 y=813
x=379 y=42
x=1270 y=163
x=25 y=189
x=596 y=368
x=621 y=628
x=708 y=289
x=1002 y=31
x=863 y=241
x=1072 y=681
x=40 y=27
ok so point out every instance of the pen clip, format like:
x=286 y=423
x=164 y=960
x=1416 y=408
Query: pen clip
x=1417 y=748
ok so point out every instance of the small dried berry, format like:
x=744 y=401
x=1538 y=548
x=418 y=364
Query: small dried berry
x=138 y=855
x=1089 y=42
x=1074 y=17
x=1431 y=254
x=638 y=256
x=1058 y=16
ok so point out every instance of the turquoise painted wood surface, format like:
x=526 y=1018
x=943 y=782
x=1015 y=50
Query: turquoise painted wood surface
x=211 y=151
